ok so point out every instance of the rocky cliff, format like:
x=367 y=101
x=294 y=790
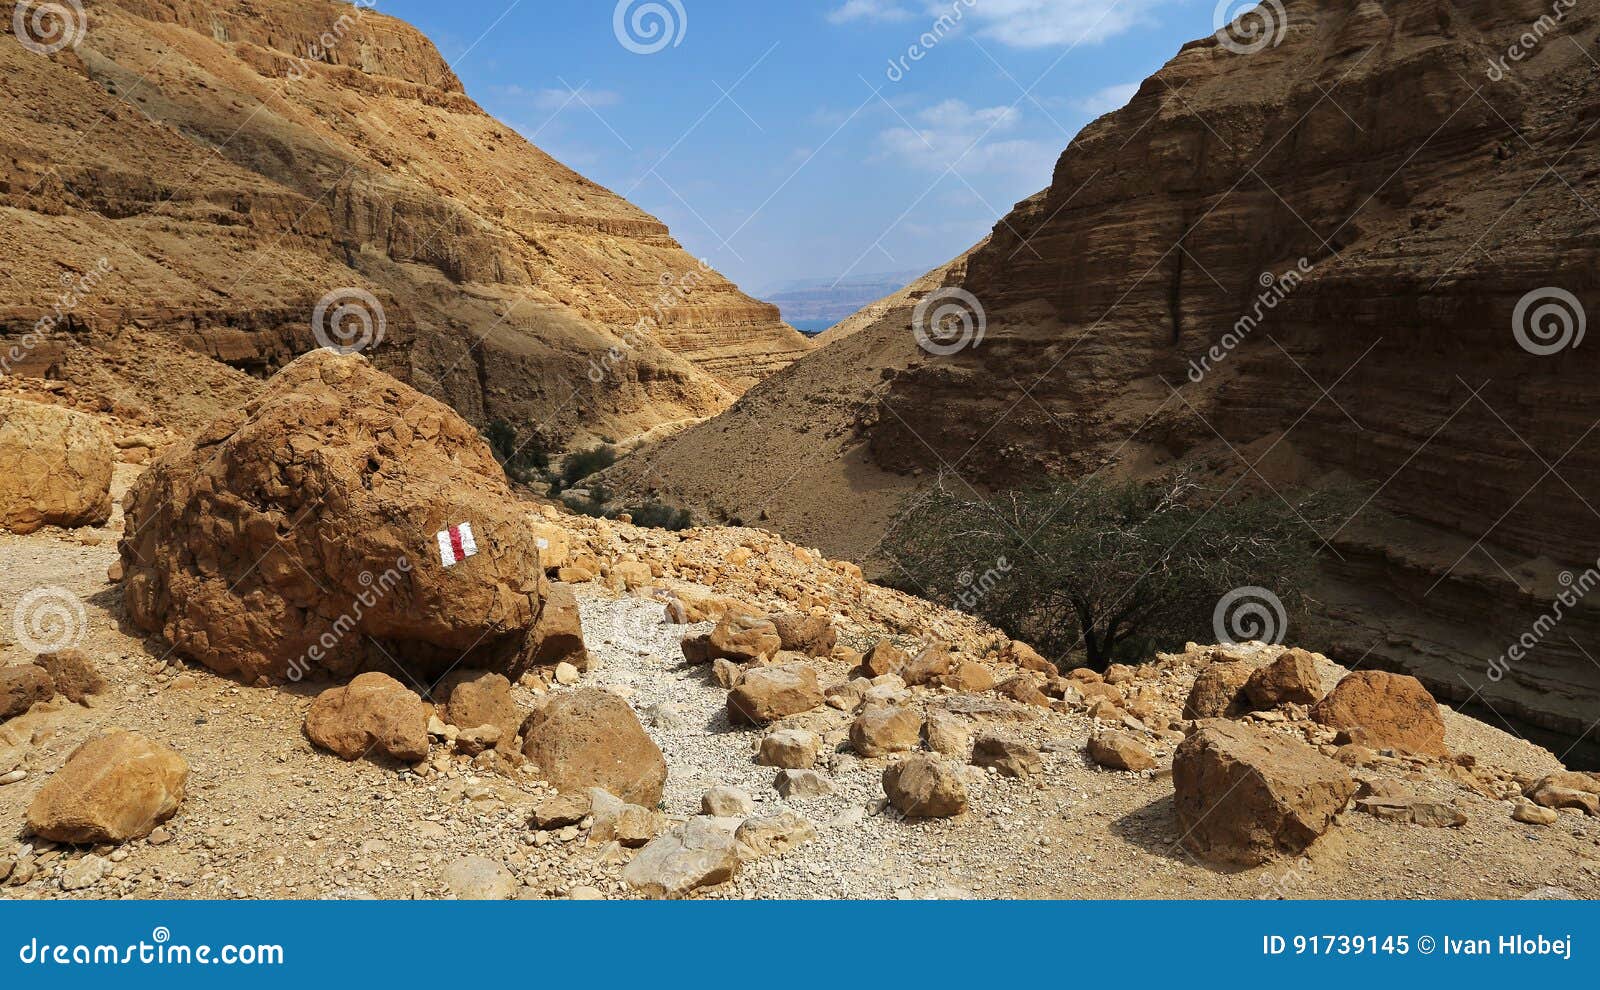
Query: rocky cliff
x=1361 y=243
x=211 y=171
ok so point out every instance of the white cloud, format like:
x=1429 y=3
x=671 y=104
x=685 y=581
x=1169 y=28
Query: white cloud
x=1046 y=23
x=553 y=100
x=971 y=140
x=1108 y=99
x=868 y=10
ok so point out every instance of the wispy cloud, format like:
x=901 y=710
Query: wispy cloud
x=1049 y=23
x=1108 y=99
x=868 y=10
x=970 y=140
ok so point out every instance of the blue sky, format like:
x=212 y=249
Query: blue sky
x=798 y=139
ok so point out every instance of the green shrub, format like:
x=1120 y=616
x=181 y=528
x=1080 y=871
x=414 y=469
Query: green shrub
x=522 y=461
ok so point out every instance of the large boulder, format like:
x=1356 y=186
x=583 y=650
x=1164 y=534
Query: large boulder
x=1394 y=710
x=299 y=534
x=1245 y=797
x=812 y=635
x=1568 y=789
x=925 y=787
x=767 y=694
x=558 y=635
x=113 y=788
x=885 y=729
x=744 y=638
x=1292 y=678
x=372 y=715
x=55 y=467
x=591 y=738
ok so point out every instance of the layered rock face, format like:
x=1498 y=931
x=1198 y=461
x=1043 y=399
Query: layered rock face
x=320 y=531
x=211 y=170
x=1386 y=202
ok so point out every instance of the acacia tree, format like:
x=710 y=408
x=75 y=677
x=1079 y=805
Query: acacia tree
x=1107 y=570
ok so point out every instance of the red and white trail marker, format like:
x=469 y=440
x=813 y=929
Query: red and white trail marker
x=456 y=544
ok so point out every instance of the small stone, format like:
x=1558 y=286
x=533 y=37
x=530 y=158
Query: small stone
x=1119 y=751
x=583 y=893
x=790 y=749
x=566 y=674
x=802 y=784
x=723 y=801
x=773 y=834
x=559 y=811
x=1010 y=757
x=474 y=878
x=85 y=873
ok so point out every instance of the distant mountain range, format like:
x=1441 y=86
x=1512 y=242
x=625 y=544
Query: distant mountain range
x=813 y=305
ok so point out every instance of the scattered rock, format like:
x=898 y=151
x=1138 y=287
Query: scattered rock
x=1218 y=691
x=1415 y=810
x=699 y=853
x=617 y=821
x=21 y=686
x=802 y=784
x=925 y=787
x=474 y=878
x=743 y=639
x=812 y=635
x=884 y=730
x=948 y=735
x=1394 y=709
x=1292 y=678
x=884 y=658
x=1244 y=797
x=927 y=666
x=372 y=714
x=968 y=676
x=767 y=694
x=476 y=698
x=1026 y=657
x=773 y=834
x=113 y=788
x=723 y=801
x=566 y=674
x=85 y=873
x=1119 y=751
x=591 y=738
x=1568 y=789
x=73 y=674
x=791 y=749
x=558 y=634
x=1009 y=756
x=1528 y=813
x=1023 y=689
x=560 y=810
x=57 y=467
x=726 y=673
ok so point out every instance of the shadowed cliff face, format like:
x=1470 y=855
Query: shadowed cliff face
x=1310 y=259
x=233 y=163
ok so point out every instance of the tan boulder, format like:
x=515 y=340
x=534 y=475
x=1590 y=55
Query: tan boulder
x=1026 y=657
x=766 y=694
x=925 y=787
x=1218 y=691
x=55 y=467
x=21 y=686
x=1291 y=678
x=113 y=788
x=1244 y=797
x=1414 y=810
x=879 y=731
x=1567 y=789
x=1011 y=757
x=475 y=698
x=931 y=663
x=790 y=749
x=812 y=635
x=884 y=658
x=1119 y=751
x=591 y=738
x=969 y=676
x=558 y=633
x=773 y=833
x=948 y=734
x=1023 y=689
x=698 y=853
x=743 y=638
x=373 y=714
x=298 y=534
x=1394 y=710
x=74 y=674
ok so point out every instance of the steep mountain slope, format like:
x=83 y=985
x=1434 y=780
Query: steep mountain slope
x=1338 y=253
x=210 y=169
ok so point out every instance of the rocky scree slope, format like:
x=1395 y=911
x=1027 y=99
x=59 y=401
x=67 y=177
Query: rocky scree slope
x=208 y=170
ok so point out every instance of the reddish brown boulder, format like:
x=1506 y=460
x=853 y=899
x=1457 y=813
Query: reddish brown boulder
x=558 y=634
x=1292 y=678
x=591 y=738
x=476 y=698
x=925 y=787
x=1244 y=797
x=1394 y=711
x=55 y=467
x=766 y=694
x=74 y=675
x=372 y=715
x=299 y=534
x=21 y=685
x=742 y=638
x=931 y=663
x=114 y=788
x=812 y=635
x=1119 y=751
x=1022 y=688
x=1218 y=691
x=883 y=658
